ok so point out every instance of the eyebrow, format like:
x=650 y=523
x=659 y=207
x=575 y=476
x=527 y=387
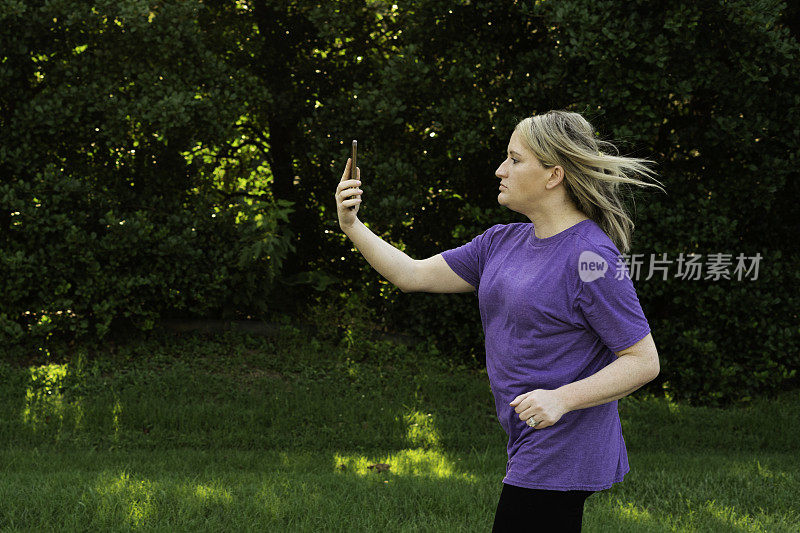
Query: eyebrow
x=513 y=152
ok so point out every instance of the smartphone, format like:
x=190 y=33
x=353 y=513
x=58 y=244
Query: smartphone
x=353 y=174
x=353 y=171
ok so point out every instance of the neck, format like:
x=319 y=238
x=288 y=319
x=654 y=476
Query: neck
x=549 y=223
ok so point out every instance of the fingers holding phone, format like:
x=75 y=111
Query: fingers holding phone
x=348 y=195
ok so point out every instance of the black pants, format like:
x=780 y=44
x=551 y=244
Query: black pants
x=520 y=510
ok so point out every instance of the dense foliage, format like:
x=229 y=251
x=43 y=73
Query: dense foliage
x=110 y=210
x=164 y=114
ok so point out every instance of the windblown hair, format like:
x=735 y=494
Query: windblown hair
x=593 y=179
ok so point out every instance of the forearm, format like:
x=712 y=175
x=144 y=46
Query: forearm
x=610 y=383
x=391 y=263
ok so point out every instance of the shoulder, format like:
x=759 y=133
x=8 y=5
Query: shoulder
x=505 y=230
x=594 y=239
x=502 y=233
x=593 y=254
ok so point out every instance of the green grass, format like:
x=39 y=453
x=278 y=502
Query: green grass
x=231 y=432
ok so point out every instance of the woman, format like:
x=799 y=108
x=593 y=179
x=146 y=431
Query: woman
x=565 y=334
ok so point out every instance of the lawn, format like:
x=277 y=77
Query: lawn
x=233 y=432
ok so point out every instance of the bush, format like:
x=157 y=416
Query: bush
x=74 y=266
x=118 y=124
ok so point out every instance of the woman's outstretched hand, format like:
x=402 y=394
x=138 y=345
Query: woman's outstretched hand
x=545 y=406
x=346 y=207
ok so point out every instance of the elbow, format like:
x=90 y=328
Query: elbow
x=656 y=370
x=408 y=284
x=406 y=288
x=648 y=370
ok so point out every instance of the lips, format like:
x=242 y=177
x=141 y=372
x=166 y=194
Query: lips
x=503 y=187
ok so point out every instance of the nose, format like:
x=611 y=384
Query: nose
x=500 y=172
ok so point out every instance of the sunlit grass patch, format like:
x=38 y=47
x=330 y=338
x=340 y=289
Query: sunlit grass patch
x=136 y=497
x=631 y=511
x=732 y=518
x=205 y=494
x=416 y=462
x=139 y=500
x=45 y=405
x=116 y=411
x=421 y=430
x=768 y=474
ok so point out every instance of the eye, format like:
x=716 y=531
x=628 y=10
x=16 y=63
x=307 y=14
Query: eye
x=514 y=161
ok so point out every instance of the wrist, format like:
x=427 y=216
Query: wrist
x=347 y=227
x=564 y=398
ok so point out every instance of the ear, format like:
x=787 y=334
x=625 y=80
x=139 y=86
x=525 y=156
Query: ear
x=556 y=175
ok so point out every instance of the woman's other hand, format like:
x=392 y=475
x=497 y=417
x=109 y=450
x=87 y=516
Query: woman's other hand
x=545 y=406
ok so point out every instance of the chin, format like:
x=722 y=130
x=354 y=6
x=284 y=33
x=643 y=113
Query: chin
x=508 y=206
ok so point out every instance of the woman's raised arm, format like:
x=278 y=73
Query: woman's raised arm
x=407 y=274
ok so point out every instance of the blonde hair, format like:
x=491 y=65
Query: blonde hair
x=593 y=179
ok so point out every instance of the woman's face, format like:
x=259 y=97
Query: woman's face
x=522 y=177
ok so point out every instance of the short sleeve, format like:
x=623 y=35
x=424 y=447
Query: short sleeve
x=607 y=299
x=469 y=259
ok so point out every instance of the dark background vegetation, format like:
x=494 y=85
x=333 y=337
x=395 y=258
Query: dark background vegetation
x=179 y=159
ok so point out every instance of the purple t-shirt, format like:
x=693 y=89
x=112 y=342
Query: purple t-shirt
x=554 y=311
